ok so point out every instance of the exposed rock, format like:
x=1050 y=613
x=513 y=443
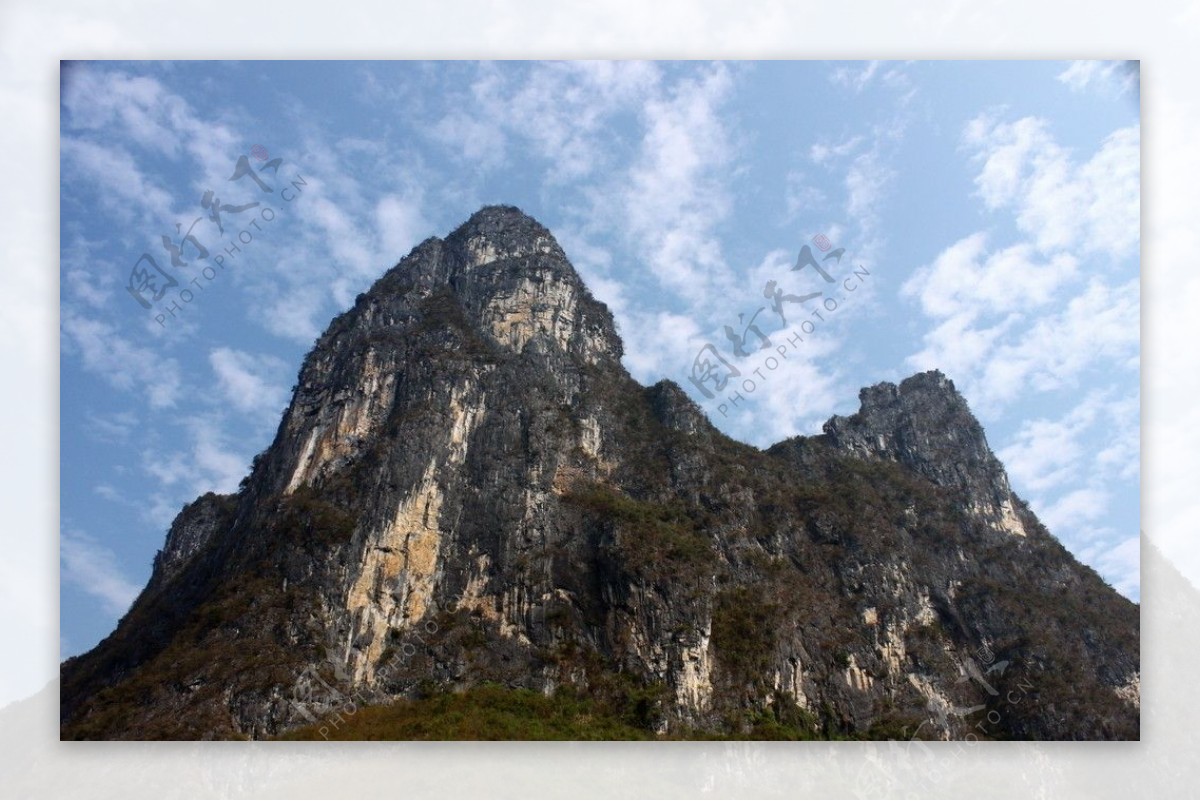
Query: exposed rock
x=468 y=488
x=195 y=525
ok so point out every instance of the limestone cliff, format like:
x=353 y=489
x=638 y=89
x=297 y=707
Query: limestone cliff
x=469 y=490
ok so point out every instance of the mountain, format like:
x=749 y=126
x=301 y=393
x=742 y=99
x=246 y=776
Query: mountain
x=472 y=522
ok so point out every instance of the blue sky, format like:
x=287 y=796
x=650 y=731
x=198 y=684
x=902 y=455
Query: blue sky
x=992 y=209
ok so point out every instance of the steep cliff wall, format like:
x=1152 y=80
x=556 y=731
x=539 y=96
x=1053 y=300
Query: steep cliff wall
x=468 y=489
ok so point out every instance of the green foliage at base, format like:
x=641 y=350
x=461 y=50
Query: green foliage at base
x=489 y=712
x=494 y=712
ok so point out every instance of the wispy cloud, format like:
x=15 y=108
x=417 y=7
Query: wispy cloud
x=558 y=111
x=1075 y=508
x=1120 y=562
x=967 y=279
x=1002 y=359
x=675 y=195
x=126 y=366
x=1093 y=207
x=252 y=384
x=115 y=173
x=856 y=78
x=1108 y=78
x=802 y=194
x=210 y=462
x=867 y=181
x=1035 y=315
x=823 y=153
x=113 y=120
x=1048 y=453
x=94 y=569
x=890 y=75
x=1071 y=465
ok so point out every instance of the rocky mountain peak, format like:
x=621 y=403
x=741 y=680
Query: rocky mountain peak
x=926 y=425
x=495 y=233
x=914 y=422
x=502 y=280
x=469 y=497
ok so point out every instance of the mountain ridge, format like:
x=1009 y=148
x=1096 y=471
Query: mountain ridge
x=466 y=470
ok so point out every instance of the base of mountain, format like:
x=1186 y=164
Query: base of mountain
x=495 y=712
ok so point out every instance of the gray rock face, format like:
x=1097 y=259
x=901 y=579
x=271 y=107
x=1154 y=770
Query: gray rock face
x=468 y=488
x=190 y=532
x=924 y=425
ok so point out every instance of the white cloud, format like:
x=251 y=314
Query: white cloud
x=967 y=279
x=1092 y=207
x=1119 y=563
x=1112 y=178
x=1098 y=327
x=137 y=105
x=959 y=347
x=350 y=230
x=867 y=181
x=557 y=110
x=104 y=105
x=109 y=493
x=399 y=225
x=1123 y=437
x=129 y=193
x=801 y=195
x=1049 y=453
x=659 y=344
x=208 y=464
x=1076 y=508
x=251 y=383
x=1107 y=78
x=1003 y=326
x=797 y=395
x=94 y=569
x=346 y=231
x=475 y=140
x=111 y=428
x=674 y=195
x=87 y=276
x=794 y=398
x=118 y=361
x=822 y=153
x=297 y=313
x=890 y=75
x=856 y=79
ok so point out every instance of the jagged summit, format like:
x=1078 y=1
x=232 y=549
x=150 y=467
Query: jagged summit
x=501 y=280
x=507 y=231
x=926 y=425
x=923 y=423
x=469 y=494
